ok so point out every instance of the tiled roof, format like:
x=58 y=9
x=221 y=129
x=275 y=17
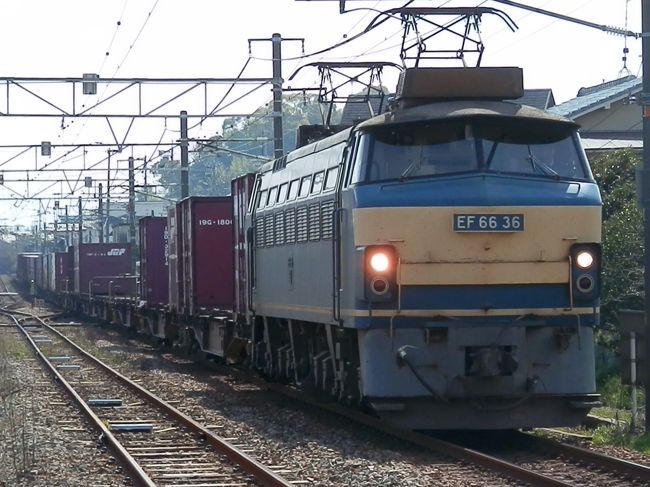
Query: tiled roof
x=541 y=98
x=356 y=108
x=595 y=97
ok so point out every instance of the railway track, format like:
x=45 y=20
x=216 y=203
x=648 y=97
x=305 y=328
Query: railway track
x=155 y=442
x=568 y=464
x=538 y=461
x=547 y=462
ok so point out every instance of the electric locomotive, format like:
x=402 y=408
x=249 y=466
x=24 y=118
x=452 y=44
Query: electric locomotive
x=438 y=264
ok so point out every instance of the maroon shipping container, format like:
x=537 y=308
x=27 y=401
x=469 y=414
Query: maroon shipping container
x=25 y=267
x=61 y=272
x=93 y=260
x=207 y=257
x=174 y=286
x=32 y=268
x=71 y=274
x=38 y=271
x=115 y=285
x=241 y=189
x=154 y=260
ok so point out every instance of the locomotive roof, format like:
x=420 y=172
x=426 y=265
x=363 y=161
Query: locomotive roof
x=435 y=111
x=463 y=108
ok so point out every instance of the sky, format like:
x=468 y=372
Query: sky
x=209 y=39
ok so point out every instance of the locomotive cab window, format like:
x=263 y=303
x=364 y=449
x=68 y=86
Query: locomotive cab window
x=502 y=145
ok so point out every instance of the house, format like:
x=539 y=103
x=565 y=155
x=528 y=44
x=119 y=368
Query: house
x=541 y=98
x=609 y=114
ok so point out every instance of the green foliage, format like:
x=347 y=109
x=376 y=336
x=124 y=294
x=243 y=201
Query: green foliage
x=622 y=284
x=243 y=147
x=7 y=257
x=619 y=435
x=611 y=435
x=613 y=394
x=642 y=443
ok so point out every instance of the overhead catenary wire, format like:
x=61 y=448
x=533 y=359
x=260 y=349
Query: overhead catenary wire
x=118 y=24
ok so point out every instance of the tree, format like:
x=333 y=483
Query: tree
x=622 y=277
x=246 y=143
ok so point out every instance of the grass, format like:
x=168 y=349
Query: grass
x=17 y=403
x=617 y=405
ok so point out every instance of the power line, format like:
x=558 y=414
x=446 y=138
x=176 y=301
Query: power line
x=605 y=28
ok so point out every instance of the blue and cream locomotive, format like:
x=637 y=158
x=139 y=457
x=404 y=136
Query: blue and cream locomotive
x=438 y=263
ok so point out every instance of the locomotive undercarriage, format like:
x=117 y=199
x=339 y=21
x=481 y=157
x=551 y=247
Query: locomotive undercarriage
x=310 y=355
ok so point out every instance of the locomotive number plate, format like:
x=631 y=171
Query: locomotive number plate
x=476 y=222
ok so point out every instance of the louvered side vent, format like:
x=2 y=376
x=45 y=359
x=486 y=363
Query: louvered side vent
x=280 y=163
x=279 y=228
x=301 y=224
x=327 y=219
x=314 y=222
x=290 y=226
x=268 y=230
x=259 y=231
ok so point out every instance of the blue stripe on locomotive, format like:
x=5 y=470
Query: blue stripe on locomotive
x=477 y=190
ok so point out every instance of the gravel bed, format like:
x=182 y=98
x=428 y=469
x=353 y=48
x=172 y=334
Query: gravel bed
x=92 y=382
x=613 y=451
x=44 y=440
x=312 y=446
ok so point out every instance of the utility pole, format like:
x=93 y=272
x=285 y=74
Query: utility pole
x=184 y=157
x=81 y=224
x=38 y=232
x=108 y=196
x=132 y=205
x=645 y=28
x=100 y=214
x=278 y=144
x=55 y=247
x=276 y=46
x=67 y=229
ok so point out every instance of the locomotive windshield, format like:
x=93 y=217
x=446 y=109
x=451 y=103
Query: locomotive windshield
x=523 y=147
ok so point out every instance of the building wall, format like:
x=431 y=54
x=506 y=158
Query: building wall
x=620 y=117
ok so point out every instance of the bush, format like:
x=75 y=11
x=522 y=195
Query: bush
x=622 y=277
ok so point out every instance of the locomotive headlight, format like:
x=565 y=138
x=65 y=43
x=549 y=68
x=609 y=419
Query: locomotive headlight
x=585 y=271
x=379 y=262
x=584 y=259
x=380 y=273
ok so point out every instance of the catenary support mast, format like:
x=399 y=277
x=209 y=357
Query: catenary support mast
x=645 y=28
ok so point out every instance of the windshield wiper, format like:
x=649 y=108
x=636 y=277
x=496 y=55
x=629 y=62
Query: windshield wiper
x=409 y=170
x=490 y=156
x=540 y=166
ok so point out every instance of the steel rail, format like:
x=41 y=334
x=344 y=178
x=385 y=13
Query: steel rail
x=261 y=473
x=437 y=445
x=116 y=447
x=621 y=466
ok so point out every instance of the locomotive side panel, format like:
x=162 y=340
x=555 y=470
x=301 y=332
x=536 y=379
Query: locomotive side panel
x=293 y=223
